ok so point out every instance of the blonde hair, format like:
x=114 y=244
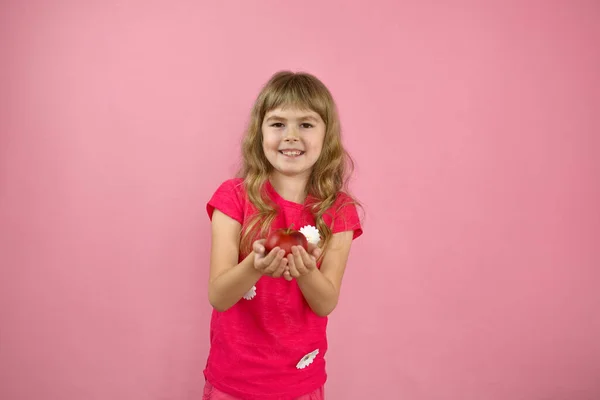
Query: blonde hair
x=330 y=173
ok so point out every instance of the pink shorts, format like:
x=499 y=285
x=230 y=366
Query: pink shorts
x=212 y=393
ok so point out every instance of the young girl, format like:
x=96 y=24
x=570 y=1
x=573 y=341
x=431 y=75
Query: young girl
x=268 y=327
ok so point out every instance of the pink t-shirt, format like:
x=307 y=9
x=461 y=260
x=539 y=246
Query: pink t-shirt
x=262 y=347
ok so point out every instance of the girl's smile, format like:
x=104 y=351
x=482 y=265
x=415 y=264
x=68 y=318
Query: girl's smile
x=292 y=140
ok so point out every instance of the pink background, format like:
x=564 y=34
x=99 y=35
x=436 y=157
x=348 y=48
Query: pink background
x=476 y=135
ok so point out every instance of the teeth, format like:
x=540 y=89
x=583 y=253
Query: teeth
x=291 y=153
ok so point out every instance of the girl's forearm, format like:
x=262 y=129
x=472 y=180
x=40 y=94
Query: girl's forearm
x=228 y=288
x=319 y=292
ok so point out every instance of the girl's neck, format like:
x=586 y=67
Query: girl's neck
x=291 y=188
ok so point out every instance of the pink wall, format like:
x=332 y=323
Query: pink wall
x=477 y=276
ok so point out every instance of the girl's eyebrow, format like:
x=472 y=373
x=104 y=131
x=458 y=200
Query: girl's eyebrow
x=276 y=117
x=310 y=117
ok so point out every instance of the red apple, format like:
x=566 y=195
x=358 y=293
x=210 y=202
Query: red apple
x=285 y=239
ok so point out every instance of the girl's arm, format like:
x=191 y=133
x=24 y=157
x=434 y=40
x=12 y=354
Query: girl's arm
x=321 y=287
x=230 y=280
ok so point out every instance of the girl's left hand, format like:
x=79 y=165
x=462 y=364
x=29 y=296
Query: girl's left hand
x=301 y=262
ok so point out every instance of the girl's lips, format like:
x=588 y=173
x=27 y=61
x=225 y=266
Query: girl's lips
x=291 y=153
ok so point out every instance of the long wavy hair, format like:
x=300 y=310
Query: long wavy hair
x=329 y=175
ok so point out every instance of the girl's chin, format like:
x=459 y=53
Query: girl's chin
x=292 y=172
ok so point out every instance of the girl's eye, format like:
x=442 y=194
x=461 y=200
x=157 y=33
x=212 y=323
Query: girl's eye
x=306 y=125
x=277 y=125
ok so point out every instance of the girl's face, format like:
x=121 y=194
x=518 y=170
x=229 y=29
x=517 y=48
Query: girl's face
x=292 y=140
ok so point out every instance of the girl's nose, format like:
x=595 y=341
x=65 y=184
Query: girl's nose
x=291 y=135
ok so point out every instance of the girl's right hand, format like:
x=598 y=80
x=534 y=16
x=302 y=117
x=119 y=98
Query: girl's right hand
x=272 y=264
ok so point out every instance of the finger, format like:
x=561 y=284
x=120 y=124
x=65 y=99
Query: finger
x=296 y=250
x=265 y=261
x=274 y=265
x=279 y=271
x=317 y=253
x=287 y=276
x=258 y=246
x=312 y=247
x=293 y=271
x=308 y=260
x=258 y=249
x=273 y=254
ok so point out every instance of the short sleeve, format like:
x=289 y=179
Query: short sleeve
x=345 y=216
x=228 y=198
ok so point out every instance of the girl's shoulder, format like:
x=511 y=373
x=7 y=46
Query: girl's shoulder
x=344 y=198
x=343 y=215
x=229 y=197
x=236 y=184
x=232 y=187
x=343 y=201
